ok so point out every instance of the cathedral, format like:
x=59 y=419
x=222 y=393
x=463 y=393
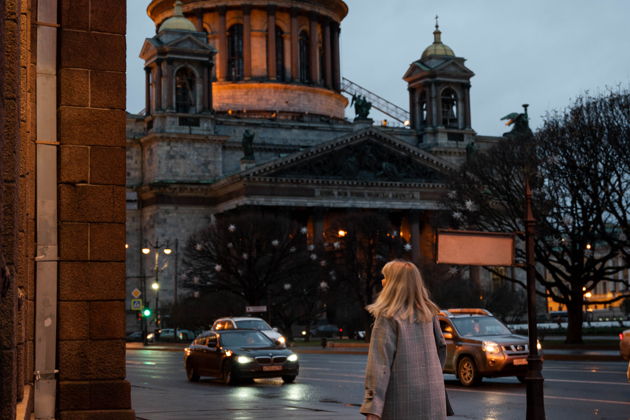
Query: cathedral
x=245 y=109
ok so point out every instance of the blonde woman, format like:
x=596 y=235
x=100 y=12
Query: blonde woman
x=403 y=378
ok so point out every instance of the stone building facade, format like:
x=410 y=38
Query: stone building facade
x=62 y=349
x=275 y=138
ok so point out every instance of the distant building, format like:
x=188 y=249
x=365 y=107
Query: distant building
x=244 y=109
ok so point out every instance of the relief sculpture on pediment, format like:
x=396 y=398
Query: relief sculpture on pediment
x=366 y=161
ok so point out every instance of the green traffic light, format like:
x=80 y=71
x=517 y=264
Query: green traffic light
x=146 y=312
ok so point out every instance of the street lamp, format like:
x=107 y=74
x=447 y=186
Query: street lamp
x=157 y=247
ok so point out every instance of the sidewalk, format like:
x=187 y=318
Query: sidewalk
x=585 y=353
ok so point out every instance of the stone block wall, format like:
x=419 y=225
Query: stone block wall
x=91 y=194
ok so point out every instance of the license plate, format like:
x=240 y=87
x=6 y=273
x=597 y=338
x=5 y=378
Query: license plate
x=518 y=362
x=271 y=368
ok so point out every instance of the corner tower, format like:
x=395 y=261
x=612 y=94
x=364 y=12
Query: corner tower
x=439 y=94
x=275 y=58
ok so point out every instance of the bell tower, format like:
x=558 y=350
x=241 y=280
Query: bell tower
x=178 y=65
x=439 y=95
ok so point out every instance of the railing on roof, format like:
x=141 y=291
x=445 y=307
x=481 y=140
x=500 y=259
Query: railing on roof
x=383 y=105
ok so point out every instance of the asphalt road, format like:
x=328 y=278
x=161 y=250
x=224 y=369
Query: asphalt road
x=330 y=386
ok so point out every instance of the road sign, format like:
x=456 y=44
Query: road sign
x=136 y=293
x=136 y=304
x=255 y=309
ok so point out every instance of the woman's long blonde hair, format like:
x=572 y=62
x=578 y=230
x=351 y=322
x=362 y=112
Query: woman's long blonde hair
x=404 y=295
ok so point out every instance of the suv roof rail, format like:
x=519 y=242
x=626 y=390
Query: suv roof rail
x=466 y=311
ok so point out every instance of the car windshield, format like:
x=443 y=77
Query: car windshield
x=245 y=339
x=253 y=324
x=480 y=326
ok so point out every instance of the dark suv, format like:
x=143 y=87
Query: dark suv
x=478 y=345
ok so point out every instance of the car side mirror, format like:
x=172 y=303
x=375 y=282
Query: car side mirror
x=448 y=335
x=275 y=329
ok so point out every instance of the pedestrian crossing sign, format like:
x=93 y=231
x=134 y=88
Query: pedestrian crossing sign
x=136 y=304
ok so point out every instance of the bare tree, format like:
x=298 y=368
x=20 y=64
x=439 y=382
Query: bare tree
x=358 y=245
x=250 y=256
x=580 y=213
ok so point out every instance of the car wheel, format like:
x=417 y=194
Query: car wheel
x=521 y=379
x=467 y=372
x=288 y=379
x=228 y=377
x=191 y=373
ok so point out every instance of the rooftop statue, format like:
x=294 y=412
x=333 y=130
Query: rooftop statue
x=361 y=106
x=521 y=124
x=248 y=145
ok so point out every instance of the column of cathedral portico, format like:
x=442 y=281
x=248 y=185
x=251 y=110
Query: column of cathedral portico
x=158 y=86
x=247 y=42
x=327 y=53
x=414 y=224
x=467 y=122
x=295 y=47
x=147 y=91
x=313 y=49
x=271 y=42
x=336 y=59
x=223 y=47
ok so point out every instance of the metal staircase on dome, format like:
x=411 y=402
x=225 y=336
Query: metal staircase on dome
x=383 y=105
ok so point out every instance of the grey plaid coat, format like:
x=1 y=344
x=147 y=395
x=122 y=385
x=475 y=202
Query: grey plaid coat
x=403 y=377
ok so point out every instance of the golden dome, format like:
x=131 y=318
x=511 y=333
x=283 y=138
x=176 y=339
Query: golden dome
x=177 y=22
x=437 y=48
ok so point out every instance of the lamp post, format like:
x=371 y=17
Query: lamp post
x=156 y=268
x=533 y=379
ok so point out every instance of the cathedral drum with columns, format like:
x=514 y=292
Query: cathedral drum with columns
x=245 y=111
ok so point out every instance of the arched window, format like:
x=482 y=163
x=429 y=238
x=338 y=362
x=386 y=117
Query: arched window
x=305 y=68
x=235 y=52
x=449 y=108
x=185 y=98
x=280 y=54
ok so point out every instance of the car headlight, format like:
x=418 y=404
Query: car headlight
x=491 y=347
x=292 y=358
x=244 y=359
x=282 y=340
x=538 y=345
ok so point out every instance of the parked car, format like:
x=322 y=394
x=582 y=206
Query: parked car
x=236 y=354
x=479 y=345
x=624 y=348
x=326 y=330
x=259 y=324
x=136 y=336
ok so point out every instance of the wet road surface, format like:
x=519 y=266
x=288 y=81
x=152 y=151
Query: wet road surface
x=330 y=386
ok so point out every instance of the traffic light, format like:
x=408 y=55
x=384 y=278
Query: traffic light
x=147 y=312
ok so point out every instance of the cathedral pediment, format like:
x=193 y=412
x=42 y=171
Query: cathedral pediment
x=370 y=156
x=449 y=65
x=190 y=43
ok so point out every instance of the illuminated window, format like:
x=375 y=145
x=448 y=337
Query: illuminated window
x=185 y=100
x=304 y=58
x=449 y=108
x=235 y=52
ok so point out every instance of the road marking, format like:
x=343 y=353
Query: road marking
x=551 y=397
x=134 y=362
x=587 y=382
x=308 y=378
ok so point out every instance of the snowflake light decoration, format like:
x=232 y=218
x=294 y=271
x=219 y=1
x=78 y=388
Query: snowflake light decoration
x=292 y=249
x=469 y=205
x=407 y=247
x=196 y=294
x=322 y=263
x=275 y=242
x=304 y=230
x=311 y=247
x=218 y=268
x=231 y=228
x=452 y=195
x=458 y=215
x=230 y=244
x=313 y=257
x=452 y=271
x=198 y=247
x=336 y=245
x=245 y=255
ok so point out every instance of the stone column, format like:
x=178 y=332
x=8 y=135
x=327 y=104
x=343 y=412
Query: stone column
x=271 y=42
x=435 y=120
x=327 y=55
x=414 y=224
x=147 y=91
x=208 y=85
x=313 y=50
x=247 y=43
x=295 y=46
x=336 y=66
x=413 y=108
x=204 y=89
x=467 y=120
x=318 y=226
x=158 y=86
x=223 y=47
x=170 y=82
